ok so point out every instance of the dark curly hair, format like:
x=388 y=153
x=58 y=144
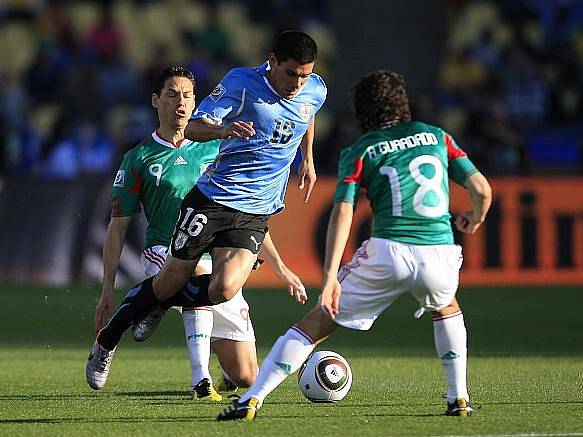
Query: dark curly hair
x=380 y=98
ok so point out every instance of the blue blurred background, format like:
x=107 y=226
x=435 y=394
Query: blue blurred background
x=505 y=78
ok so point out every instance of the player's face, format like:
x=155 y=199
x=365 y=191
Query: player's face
x=176 y=102
x=288 y=77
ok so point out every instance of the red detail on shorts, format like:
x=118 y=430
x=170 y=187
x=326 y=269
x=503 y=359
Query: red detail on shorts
x=452 y=151
x=138 y=183
x=357 y=175
x=449 y=316
x=154 y=258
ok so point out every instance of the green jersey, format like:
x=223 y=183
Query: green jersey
x=405 y=170
x=155 y=175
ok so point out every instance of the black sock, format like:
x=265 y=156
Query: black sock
x=194 y=294
x=134 y=307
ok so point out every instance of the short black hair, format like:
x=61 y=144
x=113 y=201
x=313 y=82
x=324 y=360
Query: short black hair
x=173 y=71
x=296 y=45
x=380 y=98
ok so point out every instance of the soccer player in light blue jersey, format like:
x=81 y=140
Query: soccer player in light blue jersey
x=262 y=115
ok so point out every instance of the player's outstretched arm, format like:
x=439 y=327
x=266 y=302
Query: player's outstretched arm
x=481 y=196
x=294 y=285
x=336 y=238
x=114 y=240
x=307 y=171
x=202 y=130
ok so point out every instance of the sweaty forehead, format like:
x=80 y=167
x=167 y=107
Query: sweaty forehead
x=178 y=83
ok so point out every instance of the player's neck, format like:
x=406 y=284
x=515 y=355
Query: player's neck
x=171 y=135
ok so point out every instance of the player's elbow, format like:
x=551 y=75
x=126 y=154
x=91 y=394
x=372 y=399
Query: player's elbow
x=480 y=187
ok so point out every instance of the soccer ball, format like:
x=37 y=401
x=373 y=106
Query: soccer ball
x=325 y=377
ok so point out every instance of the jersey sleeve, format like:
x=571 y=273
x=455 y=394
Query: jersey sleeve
x=127 y=188
x=350 y=169
x=224 y=102
x=322 y=92
x=460 y=166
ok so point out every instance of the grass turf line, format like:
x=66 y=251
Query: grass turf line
x=526 y=371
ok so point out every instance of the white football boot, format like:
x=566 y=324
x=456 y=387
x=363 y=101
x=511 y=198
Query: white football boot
x=97 y=368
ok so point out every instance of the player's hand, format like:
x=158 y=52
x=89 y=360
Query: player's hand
x=307 y=174
x=104 y=309
x=238 y=129
x=330 y=298
x=465 y=223
x=295 y=288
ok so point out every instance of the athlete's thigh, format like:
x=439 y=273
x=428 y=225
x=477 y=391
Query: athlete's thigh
x=231 y=268
x=238 y=359
x=437 y=280
x=172 y=277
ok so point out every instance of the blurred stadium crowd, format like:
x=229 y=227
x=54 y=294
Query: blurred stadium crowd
x=75 y=78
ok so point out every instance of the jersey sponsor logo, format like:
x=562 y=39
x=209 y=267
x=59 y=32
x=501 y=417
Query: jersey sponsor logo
x=410 y=142
x=305 y=111
x=218 y=92
x=180 y=161
x=180 y=240
x=120 y=179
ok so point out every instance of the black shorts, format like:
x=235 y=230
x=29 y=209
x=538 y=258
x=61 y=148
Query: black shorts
x=204 y=224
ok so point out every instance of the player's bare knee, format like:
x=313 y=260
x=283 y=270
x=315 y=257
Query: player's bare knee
x=220 y=292
x=245 y=379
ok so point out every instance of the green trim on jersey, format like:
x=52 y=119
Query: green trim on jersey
x=155 y=177
x=405 y=170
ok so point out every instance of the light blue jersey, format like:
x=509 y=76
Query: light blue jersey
x=251 y=175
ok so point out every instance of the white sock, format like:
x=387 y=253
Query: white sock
x=198 y=326
x=286 y=356
x=451 y=347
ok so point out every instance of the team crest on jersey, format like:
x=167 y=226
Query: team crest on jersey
x=120 y=179
x=305 y=111
x=180 y=240
x=218 y=92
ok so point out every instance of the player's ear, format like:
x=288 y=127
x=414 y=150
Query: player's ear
x=155 y=100
x=272 y=59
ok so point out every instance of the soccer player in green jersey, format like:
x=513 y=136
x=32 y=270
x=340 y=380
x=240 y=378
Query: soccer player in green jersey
x=404 y=166
x=155 y=176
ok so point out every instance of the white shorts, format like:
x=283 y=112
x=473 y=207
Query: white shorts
x=381 y=270
x=231 y=320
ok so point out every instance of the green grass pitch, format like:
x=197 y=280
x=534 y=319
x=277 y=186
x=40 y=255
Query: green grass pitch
x=525 y=371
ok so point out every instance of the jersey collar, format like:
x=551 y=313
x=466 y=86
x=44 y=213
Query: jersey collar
x=156 y=136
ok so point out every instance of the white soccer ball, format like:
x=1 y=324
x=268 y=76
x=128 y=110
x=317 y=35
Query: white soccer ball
x=325 y=377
